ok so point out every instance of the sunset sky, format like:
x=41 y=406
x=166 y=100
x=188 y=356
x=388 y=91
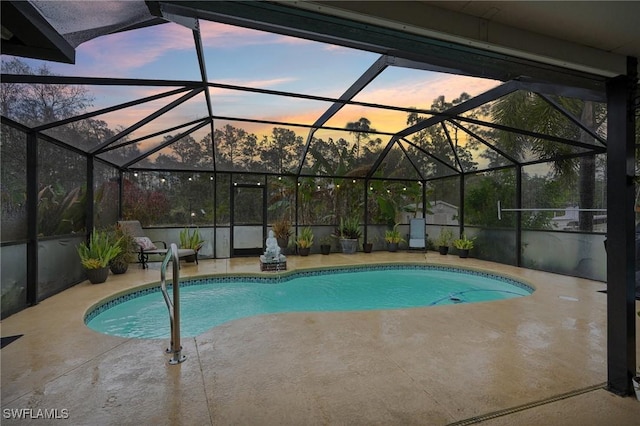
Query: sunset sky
x=252 y=58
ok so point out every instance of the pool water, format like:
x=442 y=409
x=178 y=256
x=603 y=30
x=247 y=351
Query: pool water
x=209 y=303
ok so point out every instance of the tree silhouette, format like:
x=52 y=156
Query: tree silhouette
x=360 y=129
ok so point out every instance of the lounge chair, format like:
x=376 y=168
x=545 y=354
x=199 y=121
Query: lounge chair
x=417 y=234
x=148 y=247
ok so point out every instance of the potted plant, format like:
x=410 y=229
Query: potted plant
x=367 y=247
x=444 y=240
x=96 y=255
x=393 y=238
x=191 y=240
x=120 y=263
x=349 y=233
x=304 y=241
x=463 y=244
x=282 y=231
x=325 y=245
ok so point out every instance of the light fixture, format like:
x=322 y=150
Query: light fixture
x=404 y=189
x=318 y=187
x=162 y=179
x=210 y=177
x=354 y=181
x=190 y=179
x=371 y=188
x=279 y=177
x=338 y=186
x=235 y=183
x=135 y=174
x=258 y=183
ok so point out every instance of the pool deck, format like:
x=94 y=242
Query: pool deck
x=423 y=366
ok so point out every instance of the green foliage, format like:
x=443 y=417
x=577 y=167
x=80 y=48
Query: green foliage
x=305 y=239
x=59 y=212
x=463 y=243
x=387 y=209
x=530 y=111
x=393 y=235
x=190 y=240
x=544 y=191
x=482 y=195
x=127 y=244
x=102 y=248
x=281 y=192
x=326 y=240
x=445 y=237
x=349 y=228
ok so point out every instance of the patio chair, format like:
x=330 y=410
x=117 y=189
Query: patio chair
x=417 y=234
x=148 y=247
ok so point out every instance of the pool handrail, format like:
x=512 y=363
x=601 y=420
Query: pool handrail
x=173 y=306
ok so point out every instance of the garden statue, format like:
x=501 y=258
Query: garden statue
x=272 y=253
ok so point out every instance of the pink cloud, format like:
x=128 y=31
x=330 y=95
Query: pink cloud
x=257 y=83
x=421 y=93
x=218 y=35
x=116 y=54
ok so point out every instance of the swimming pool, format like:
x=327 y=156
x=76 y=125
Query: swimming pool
x=208 y=302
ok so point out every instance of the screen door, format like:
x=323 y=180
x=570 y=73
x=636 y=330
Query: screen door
x=248 y=220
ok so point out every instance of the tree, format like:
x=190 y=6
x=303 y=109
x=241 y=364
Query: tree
x=190 y=152
x=36 y=104
x=279 y=153
x=360 y=129
x=145 y=204
x=235 y=148
x=434 y=140
x=527 y=110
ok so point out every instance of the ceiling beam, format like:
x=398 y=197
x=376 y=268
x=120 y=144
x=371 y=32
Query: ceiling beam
x=306 y=20
x=25 y=32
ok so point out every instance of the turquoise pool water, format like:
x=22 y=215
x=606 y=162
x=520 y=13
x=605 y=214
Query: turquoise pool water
x=206 y=303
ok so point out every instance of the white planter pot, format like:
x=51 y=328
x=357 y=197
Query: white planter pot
x=349 y=246
x=636 y=386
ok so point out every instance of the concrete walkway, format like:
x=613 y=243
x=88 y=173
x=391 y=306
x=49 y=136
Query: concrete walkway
x=541 y=358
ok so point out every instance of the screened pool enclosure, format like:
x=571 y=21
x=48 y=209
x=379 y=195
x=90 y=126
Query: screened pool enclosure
x=231 y=145
x=231 y=116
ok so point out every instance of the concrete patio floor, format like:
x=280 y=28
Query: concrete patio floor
x=455 y=364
